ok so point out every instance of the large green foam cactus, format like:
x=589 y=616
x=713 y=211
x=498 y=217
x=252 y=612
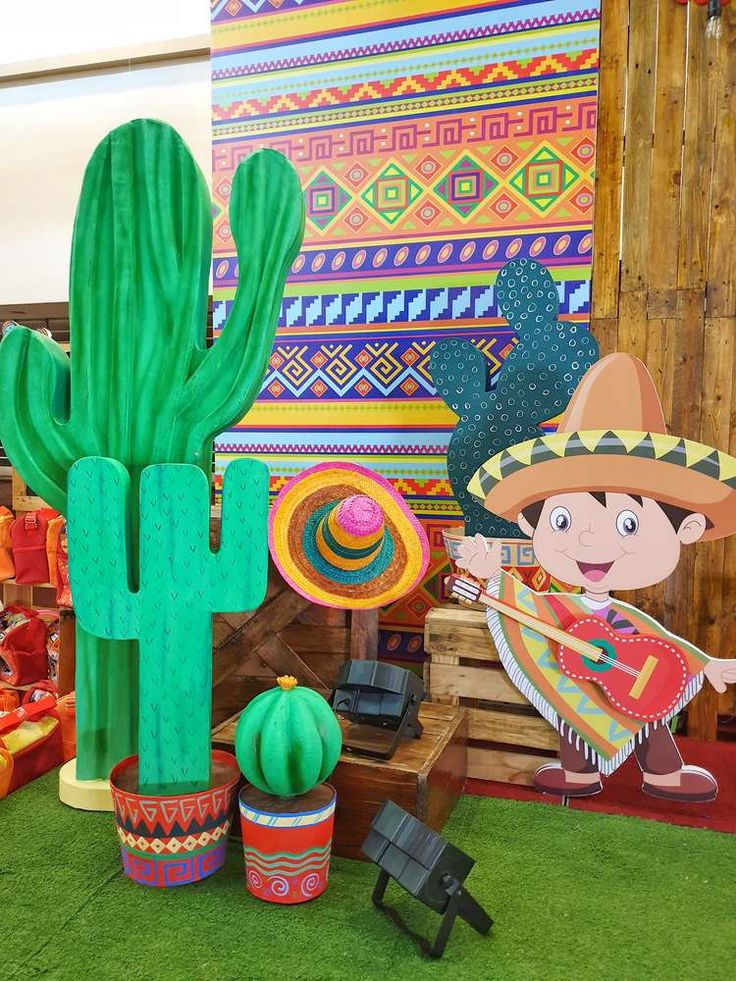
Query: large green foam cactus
x=533 y=385
x=141 y=387
x=181 y=584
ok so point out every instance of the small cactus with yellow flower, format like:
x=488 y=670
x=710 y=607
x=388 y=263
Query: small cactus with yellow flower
x=287 y=740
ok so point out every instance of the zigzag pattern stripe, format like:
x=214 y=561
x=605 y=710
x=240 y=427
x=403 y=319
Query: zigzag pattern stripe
x=313 y=858
x=284 y=869
x=225 y=10
x=406 y=44
x=399 y=306
x=349 y=449
x=176 y=844
x=510 y=71
x=362 y=374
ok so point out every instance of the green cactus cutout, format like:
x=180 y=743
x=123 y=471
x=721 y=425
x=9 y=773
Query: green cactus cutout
x=534 y=384
x=182 y=583
x=141 y=387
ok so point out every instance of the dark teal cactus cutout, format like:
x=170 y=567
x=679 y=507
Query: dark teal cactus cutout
x=534 y=384
x=182 y=583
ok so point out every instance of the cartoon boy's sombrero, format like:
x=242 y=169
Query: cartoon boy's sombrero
x=613 y=437
x=343 y=537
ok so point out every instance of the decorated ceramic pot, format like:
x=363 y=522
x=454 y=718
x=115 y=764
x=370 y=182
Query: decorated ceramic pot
x=287 y=843
x=177 y=839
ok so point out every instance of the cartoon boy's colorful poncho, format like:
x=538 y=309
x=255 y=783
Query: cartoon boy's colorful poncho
x=575 y=708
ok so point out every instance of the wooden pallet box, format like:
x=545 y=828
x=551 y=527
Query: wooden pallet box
x=425 y=776
x=508 y=739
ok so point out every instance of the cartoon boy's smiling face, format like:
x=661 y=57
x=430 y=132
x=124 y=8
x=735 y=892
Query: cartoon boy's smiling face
x=611 y=541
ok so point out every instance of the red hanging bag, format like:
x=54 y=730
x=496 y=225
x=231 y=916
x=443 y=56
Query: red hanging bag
x=28 y=536
x=23 y=659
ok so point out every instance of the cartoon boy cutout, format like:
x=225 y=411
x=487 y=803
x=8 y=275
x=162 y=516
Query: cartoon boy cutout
x=608 y=501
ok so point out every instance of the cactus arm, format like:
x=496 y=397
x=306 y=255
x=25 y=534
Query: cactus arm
x=526 y=295
x=459 y=389
x=99 y=549
x=241 y=562
x=267 y=218
x=34 y=389
x=138 y=291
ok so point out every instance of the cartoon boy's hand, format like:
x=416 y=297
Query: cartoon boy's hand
x=721 y=672
x=481 y=559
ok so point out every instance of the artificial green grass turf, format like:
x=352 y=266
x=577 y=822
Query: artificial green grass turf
x=575 y=895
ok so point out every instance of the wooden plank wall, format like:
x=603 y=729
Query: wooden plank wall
x=664 y=267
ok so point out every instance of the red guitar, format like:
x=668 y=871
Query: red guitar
x=642 y=676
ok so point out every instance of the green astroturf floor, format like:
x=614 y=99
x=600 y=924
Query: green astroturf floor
x=574 y=895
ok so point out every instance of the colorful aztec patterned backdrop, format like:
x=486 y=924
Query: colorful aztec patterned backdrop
x=435 y=140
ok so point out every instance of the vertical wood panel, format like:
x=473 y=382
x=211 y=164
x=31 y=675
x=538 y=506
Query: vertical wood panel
x=632 y=324
x=638 y=145
x=721 y=295
x=674 y=302
x=664 y=191
x=727 y=702
x=683 y=416
x=697 y=160
x=610 y=159
x=708 y=582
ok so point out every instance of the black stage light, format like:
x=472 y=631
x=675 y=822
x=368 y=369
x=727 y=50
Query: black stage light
x=382 y=702
x=428 y=867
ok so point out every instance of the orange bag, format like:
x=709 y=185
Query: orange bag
x=9 y=700
x=6 y=772
x=7 y=565
x=65 y=709
x=31 y=737
x=63 y=589
x=53 y=534
x=67 y=714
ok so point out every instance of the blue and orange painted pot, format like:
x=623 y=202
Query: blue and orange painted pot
x=287 y=843
x=178 y=839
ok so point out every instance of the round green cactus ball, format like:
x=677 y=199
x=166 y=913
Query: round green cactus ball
x=287 y=739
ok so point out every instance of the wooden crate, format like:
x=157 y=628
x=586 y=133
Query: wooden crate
x=425 y=776
x=508 y=739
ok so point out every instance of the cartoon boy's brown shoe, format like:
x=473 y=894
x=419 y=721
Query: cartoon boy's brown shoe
x=695 y=785
x=552 y=779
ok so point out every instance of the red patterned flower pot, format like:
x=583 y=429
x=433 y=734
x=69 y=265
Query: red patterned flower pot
x=287 y=843
x=174 y=840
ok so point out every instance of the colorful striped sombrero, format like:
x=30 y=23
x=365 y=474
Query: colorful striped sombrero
x=343 y=537
x=613 y=437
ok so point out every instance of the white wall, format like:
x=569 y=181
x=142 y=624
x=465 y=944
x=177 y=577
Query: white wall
x=49 y=28
x=47 y=133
